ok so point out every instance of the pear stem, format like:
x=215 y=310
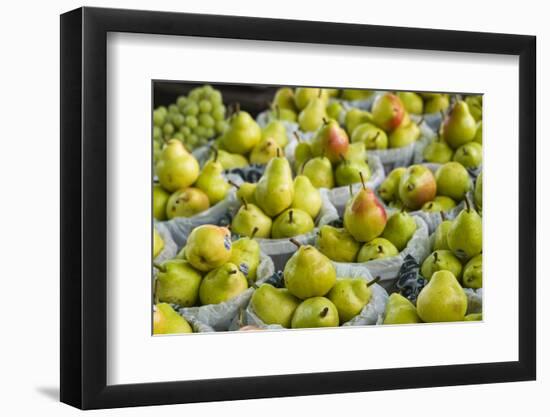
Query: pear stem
x=375 y=136
x=374 y=281
x=468 y=206
x=278 y=152
x=216 y=153
x=380 y=249
x=324 y=312
x=436 y=257
x=325 y=121
x=160 y=267
x=290 y=215
x=443 y=216
x=254 y=231
x=320 y=92
x=233 y=271
x=277 y=112
x=420 y=121
x=297 y=136
x=362 y=180
x=295 y=242
x=245 y=204
x=237 y=108
x=350 y=191
x=233 y=184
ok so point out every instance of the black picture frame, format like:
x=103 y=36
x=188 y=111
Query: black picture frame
x=84 y=207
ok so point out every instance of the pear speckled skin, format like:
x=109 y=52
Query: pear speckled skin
x=372 y=136
x=441 y=260
x=274 y=305
x=378 y=248
x=242 y=134
x=472 y=276
x=440 y=239
x=208 y=247
x=222 y=284
x=388 y=111
x=442 y=299
x=403 y=135
x=178 y=283
x=311 y=117
x=331 y=141
x=176 y=168
x=275 y=190
x=412 y=102
x=337 y=244
x=399 y=229
x=389 y=189
x=438 y=152
x=399 y=310
x=417 y=186
x=350 y=171
x=364 y=216
x=459 y=127
x=306 y=197
x=212 y=182
x=356 y=117
x=167 y=321
x=465 y=234
x=187 y=203
x=319 y=172
x=250 y=217
x=245 y=253
x=230 y=160
x=265 y=151
x=309 y=273
x=284 y=99
x=349 y=295
x=277 y=131
x=291 y=222
x=315 y=312
x=453 y=180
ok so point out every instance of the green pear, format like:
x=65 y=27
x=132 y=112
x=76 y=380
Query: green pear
x=478 y=192
x=453 y=181
x=440 y=235
x=438 y=152
x=472 y=276
x=187 y=203
x=245 y=253
x=439 y=203
x=478 y=138
x=212 y=181
x=167 y=321
x=465 y=235
x=286 y=115
x=442 y=299
x=309 y=273
x=274 y=305
x=436 y=104
x=403 y=135
x=284 y=99
x=178 y=283
x=311 y=117
x=302 y=153
x=291 y=222
x=364 y=216
x=176 y=168
x=331 y=141
x=399 y=229
x=469 y=155
x=417 y=186
x=460 y=126
x=349 y=172
x=306 y=197
x=265 y=151
x=352 y=94
x=230 y=160
x=277 y=131
x=372 y=136
x=334 y=110
x=388 y=111
x=357 y=152
x=222 y=284
x=305 y=95
x=158 y=243
x=242 y=134
x=377 y=248
x=246 y=191
x=319 y=172
x=475 y=106
x=356 y=117
x=473 y=317
x=389 y=189
x=250 y=217
x=315 y=312
x=337 y=244
x=399 y=310
x=350 y=296
x=412 y=101
x=208 y=247
x=275 y=190
x=441 y=260
x=160 y=198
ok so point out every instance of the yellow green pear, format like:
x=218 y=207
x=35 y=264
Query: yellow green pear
x=377 y=248
x=350 y=296
x=158 y=243
x=245 y=253
x=265 y=151
x=315 y=312
x=399 y=229
x=187 y=203
x=250 y=221
x=275 y=190
x=176 y=168
x=472 y=277
x=160 y=198
x=208 y=247
x=306 y=197
x=441 y=260
x=311 y=117
x=465 y=234
x=242 y=134
x=167 y=321
x=460 y=126
x=291 y=222
x=319 y=171
x=178 y=283
x=399 y=310
x=442 y=299
x=389 y=189
x=212 y=181
x=275 y=130
x=222 y=284
x=337 y=244
x=364 y=216
x=274 y=305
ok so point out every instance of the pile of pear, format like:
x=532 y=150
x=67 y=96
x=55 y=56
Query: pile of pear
x=455 y=263
x=368 y=233
x=278 y=205
x=387 y=126
x=418 y=188
x=183 y=190
x=460 y=137
x=424 y=103
x=209 y=269
x=312 y=296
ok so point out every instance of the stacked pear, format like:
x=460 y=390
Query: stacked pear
x=281 y=206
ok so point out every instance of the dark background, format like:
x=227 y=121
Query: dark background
x=252 y=98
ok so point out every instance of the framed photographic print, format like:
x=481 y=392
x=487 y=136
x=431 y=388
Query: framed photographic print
x=263 y=208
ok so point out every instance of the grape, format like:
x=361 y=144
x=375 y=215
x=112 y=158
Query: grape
x=205 y=106
x=210 y=132
x=157 y=133
x=158 y=118
x=191 y=122
x=177 y=120
x=178 y=135
x=192 y=140
x=191 y=109
x=216 y=97
x=185 y=130
x=162 y=109
x=221 y=126
x=218 y=112
x=200 y=131
x=181 y=101
x=172 y=108
x=195 y=94
x=206 y=120
x=168 y=129
x=208 y=89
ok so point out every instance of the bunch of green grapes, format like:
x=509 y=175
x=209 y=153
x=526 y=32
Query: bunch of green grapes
x=193 y=119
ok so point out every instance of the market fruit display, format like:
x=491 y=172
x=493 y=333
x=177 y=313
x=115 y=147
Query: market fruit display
x=200 y=145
